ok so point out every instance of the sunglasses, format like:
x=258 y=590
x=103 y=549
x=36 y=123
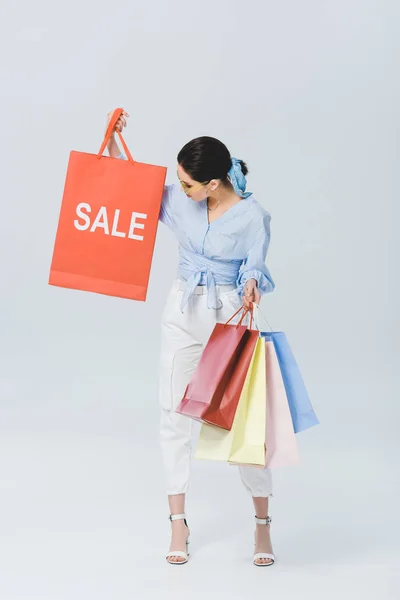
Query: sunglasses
x=192 y=188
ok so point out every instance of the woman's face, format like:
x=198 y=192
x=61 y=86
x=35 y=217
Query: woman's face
x=195 y=190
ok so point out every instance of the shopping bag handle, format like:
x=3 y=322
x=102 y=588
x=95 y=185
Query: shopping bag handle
x=256 y=312
x=111 y=125
x=245 y=312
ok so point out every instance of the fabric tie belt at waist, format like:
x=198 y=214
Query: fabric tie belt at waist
x=191 y=287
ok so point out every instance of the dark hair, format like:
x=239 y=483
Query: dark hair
x=206 y=158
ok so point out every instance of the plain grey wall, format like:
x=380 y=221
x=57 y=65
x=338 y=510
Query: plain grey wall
x=307 y=92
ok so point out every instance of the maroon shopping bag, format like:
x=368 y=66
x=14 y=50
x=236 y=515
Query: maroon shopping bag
x=214 y=391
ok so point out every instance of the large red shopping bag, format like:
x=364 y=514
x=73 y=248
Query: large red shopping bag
x=108 y=223
x=213 y=394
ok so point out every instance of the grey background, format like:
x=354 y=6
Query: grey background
x=307 y=92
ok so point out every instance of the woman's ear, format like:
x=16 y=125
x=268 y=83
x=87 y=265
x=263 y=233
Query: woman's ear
x=214 y=183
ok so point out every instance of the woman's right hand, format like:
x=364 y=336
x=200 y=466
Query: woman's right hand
x=112 y=145
x=121 y=123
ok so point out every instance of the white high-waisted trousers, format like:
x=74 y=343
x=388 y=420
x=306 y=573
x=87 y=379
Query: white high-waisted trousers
x=183 y=336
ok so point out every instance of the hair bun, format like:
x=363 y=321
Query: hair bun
x=244 y=168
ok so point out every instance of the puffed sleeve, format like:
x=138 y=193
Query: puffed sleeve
x=253 y=266
x=166 y=213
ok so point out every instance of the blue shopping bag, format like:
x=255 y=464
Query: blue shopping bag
x=301 y=410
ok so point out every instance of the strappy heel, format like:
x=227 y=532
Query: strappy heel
x=178 y=553
x=265 y=555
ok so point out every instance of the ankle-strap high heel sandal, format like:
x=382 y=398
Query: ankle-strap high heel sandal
x=263 y=555
x=178 y=553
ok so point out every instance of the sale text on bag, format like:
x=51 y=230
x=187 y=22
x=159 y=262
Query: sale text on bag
x=102 y=222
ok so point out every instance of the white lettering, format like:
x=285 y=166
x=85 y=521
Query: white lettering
x=83 y=216
x=102 y=221
x=98 y=222
x=135 y=225
x=115 y=225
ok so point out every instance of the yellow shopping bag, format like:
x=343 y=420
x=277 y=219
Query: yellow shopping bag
x=245 y=442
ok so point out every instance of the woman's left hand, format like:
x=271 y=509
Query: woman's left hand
x=251 y=293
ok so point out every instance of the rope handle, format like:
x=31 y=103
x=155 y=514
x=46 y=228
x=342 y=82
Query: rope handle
x=246 y=311
x=256 y=314
x=109 y=131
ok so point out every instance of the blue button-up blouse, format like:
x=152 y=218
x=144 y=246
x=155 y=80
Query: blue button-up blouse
x=230 y=250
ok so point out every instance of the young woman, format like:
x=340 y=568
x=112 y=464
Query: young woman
x=223 y=236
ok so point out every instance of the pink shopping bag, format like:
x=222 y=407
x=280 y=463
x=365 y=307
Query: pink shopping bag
x=281 y=443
